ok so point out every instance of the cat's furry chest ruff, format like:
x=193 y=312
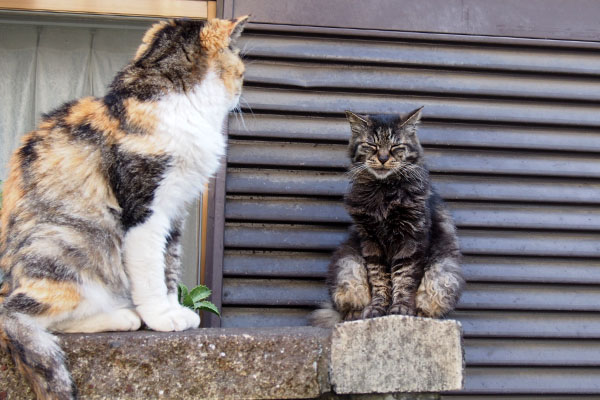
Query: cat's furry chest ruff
x=190 y=129
x=393 y=217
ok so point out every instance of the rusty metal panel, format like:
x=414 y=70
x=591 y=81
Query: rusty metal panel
x=532 y=380
x=465 y=214
x=436 y=82
x=323 y=156
x=515 y=352
x=472 y=241
x=451 y=187
x=532 y=19
x=430 y=53
x=294 y=264
x=477 y=296
x=431 y=133
x=511 y=137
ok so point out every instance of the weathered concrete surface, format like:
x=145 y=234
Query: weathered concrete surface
x=396 y=354
x=276 y=363
x=381 y=355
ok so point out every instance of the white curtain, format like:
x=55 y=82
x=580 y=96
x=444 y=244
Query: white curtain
x=43 y=66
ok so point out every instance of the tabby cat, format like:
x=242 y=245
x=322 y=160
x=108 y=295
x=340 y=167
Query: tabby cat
x=96 y=196
x=402 y=254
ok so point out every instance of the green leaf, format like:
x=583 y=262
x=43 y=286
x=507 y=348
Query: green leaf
x=188 y=302
x=200 y=293
x=208 y=306
x=182 y=292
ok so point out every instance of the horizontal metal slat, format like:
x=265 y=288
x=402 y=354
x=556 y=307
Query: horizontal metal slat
x=528 y=324
x=236 y=317
x=523 y=112
x=297 y=292
x=438 y=82
x=289 y=264
x=439 y=55
x=275 y=264
x=290 y=127
x=480 y=242
x=308 y=210
x=475 y=324
x=530 y=297
x=511 y=352
x=451 y=187
x=541 y=270
x=273 y=292
x=312 y=155
x=534 y=380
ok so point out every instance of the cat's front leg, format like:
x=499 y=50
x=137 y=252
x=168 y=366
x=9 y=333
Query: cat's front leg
x=406 y=276
x=145 y=250
x=379 y=280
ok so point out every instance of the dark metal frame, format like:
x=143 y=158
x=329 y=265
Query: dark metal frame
x=545 y=19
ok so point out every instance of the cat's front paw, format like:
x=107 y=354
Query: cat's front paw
x=373 y=312
x=168 y=319
x=401 y=309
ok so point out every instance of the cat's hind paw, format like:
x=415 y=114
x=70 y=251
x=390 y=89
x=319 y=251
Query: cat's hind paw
x=174 y=318
x=401 y=309
x=373 y=312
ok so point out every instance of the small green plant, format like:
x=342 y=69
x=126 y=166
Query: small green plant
x=195 y=299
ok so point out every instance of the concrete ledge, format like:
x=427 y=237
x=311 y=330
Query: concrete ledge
x=267 y=363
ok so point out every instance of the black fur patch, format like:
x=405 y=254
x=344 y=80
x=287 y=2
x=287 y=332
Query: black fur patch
x=24 y=304
x=134 y=179
x=45 y=267
x=28 y=152
x=85 y=132
x=174 y=236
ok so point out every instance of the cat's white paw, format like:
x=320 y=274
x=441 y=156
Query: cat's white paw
x=168 y=319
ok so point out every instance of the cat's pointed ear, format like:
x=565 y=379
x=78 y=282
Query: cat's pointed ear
x=410 y=122
x=237 y=26
x=357 y=122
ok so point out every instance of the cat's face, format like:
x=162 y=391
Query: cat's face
x=177 y=55
x=384 y=145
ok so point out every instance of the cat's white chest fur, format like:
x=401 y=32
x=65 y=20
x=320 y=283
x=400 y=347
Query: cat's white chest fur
x=190 y=126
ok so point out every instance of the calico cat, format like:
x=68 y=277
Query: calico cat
x=95 y=198
x=402 y=254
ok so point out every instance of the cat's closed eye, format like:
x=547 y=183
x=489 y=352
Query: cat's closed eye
x=398 y=149
x=367 y=146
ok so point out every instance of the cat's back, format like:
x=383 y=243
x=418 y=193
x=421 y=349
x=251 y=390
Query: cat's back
x=61 y=160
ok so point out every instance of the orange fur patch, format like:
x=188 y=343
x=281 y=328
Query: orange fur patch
x=12 y=192
x=142 y=114
x=59 y=296
x=215 y=35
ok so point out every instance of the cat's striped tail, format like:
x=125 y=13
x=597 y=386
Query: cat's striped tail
x=37 y=355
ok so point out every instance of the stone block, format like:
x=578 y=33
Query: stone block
x=396 y=354
x=274 y=363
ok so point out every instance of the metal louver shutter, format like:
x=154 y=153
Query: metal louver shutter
x=511 y=137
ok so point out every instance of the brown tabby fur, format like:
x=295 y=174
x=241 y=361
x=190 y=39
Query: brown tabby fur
x=402 y=254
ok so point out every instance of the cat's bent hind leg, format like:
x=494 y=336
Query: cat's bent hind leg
x=440 y=289
x=124 y=319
